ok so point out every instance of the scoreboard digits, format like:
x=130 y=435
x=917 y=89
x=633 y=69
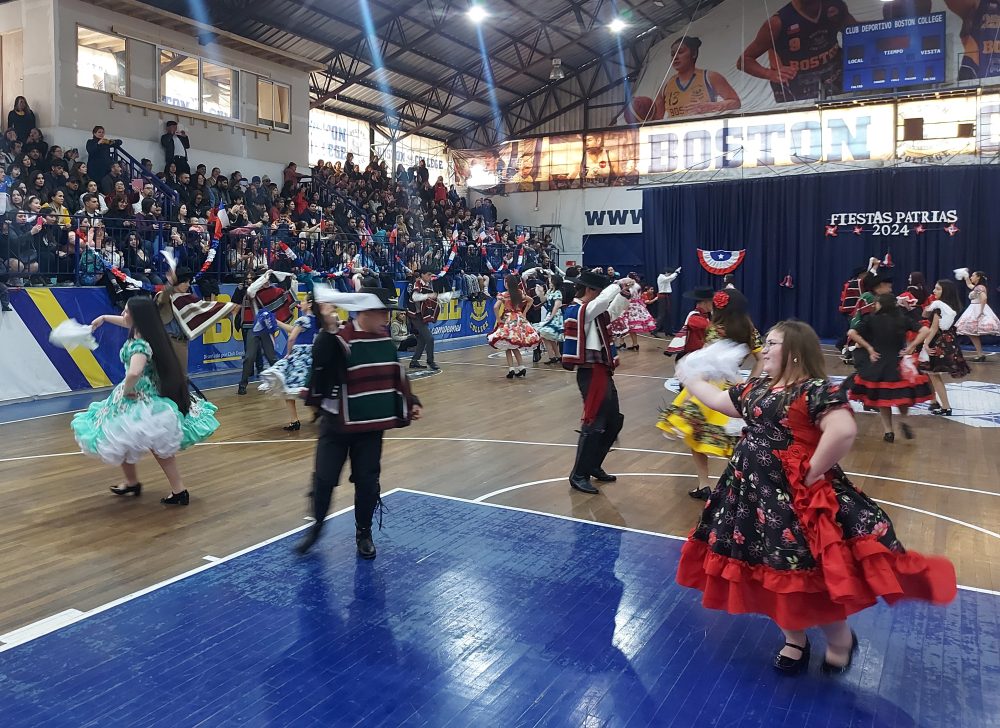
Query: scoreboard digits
x=895 y=53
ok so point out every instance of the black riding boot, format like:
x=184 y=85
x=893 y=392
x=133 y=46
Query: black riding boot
x=587 y=449
x=607 y=441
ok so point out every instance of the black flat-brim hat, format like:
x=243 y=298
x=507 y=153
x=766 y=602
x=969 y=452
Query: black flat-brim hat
x=587 y=278
x=701 y=293
x=183 y=274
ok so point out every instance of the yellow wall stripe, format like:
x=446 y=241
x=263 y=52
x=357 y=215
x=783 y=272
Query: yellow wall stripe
x=54 y=315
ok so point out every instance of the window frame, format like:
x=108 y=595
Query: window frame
x=159 y=78
x=271 y=123
x=124 y=39
x=234 y=89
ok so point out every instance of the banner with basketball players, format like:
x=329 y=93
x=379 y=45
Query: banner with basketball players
x=751 y=56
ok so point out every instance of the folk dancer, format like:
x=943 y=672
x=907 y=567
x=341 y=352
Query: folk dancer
x=362 y=391
x=184 y=315
x=589 y=350
x=262 y=296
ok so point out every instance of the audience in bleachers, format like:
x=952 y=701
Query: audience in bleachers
x=67 y=220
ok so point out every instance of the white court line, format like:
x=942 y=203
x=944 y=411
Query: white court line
x=519 y=486
x=226 y=443
x=191 y=572
x=670 y=536
x=211 y=558
x=74 y=618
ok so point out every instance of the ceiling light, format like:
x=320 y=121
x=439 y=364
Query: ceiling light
x=557 y=73
x=477 y=13
x=617 y=25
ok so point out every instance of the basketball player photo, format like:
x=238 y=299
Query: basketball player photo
x=610 y=159
x=693 y=91
x=803 y=47
x=980 y=37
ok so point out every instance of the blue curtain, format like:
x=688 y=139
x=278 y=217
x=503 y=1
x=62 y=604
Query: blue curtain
x=623 y=252
x=780 y=222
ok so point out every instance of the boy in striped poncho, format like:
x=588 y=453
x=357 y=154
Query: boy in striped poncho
x=362 y=391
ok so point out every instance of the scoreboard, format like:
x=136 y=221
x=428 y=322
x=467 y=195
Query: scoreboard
x=894 y=53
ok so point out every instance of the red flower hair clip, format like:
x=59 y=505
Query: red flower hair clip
x=720 y=299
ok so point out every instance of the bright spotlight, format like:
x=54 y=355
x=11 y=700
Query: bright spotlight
x=617 y=25
x=477 y=13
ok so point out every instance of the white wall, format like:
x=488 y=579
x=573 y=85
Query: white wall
x=581 y=213
x=80 y=109
x=35 y=19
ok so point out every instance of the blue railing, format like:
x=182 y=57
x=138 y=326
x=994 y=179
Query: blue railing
x=132 y=169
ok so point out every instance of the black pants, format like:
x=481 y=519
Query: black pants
x=181 y=164
x=663 y=313
x=598 y=435
x=252 y=344
x=332 y=450
x=425 y=340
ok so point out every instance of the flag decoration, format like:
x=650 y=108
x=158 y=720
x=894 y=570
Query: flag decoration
x=209 y=259
x=454 y=232
x=451 y=259
x=720 y=262
x=787 y=282
x=887 y=260
x=125 y=280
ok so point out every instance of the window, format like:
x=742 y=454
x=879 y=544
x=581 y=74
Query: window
x=273 y=104
x=178 y=80
x=100 y=61
x=218 y=84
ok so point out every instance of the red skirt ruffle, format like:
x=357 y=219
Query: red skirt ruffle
x=851 y=574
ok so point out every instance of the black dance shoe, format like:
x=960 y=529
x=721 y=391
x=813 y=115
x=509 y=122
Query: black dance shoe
x=135 y=490
x=889 y=437
x=510 y=374
x=522 y=372
x=292 y=426
x=582 y=484
x=177 y=499
x=416 y=365
x=242 y=389
x=366 y=547
x=312 y=535
x=790 y=666
x=433 y=367
x=907 y=431
x=603 y=477
x=943 y=411
x=831 y=669
x=702 y=494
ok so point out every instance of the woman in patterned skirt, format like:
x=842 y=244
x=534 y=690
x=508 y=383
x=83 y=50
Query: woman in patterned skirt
x=884 y=380
x=637 y=316
x=978 y=319
x=785 y=533
x=290 y=375
x=550 y=328
x=513 y=332
x=704 y=430
x=149 y=411
x=944 y=354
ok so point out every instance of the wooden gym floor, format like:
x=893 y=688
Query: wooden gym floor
x=70 y=545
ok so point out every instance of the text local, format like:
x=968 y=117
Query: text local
x=772 y=144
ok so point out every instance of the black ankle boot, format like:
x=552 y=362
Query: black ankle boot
x=312 y=535
x=586 y=449
x=366 y=547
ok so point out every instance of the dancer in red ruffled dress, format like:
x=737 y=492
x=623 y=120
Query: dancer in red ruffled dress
x=785 y=533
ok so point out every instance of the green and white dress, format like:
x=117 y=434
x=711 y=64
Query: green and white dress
x=121 y=430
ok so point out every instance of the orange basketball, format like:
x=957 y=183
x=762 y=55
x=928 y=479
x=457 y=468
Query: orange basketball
x=639 y=110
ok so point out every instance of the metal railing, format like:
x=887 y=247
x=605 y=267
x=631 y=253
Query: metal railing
x=132 y=169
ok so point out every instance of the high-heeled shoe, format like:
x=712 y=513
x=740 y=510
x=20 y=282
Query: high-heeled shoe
x=702 y=494
x=790 y=665
x=829 y=668
x=177 y=499
x=521 y=373
x=292 y=426
x=907 y=431
x=135 y=490
x=981 y=358
x=510 y=374
x=943 y=411
x=634 y=348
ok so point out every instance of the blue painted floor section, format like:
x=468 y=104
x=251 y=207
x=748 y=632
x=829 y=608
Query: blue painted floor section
x=475 y=615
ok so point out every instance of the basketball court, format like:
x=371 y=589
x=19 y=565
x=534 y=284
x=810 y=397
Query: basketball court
x=499 y=597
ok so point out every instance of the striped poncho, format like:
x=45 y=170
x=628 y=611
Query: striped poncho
x=360 y=381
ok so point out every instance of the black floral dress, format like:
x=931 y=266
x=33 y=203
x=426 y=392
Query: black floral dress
x=945 y=355
x=802 y=555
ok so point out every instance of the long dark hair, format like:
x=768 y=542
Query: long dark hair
x=513 y=283
x=735 y=324
x=918 y=287
x=146 y=324
x=887 y=305
x=949 y=295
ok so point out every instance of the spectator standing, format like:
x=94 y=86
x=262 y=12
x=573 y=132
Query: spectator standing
x=21 y=118
x=108 y=181
x=99 y=154
x=175 y=146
